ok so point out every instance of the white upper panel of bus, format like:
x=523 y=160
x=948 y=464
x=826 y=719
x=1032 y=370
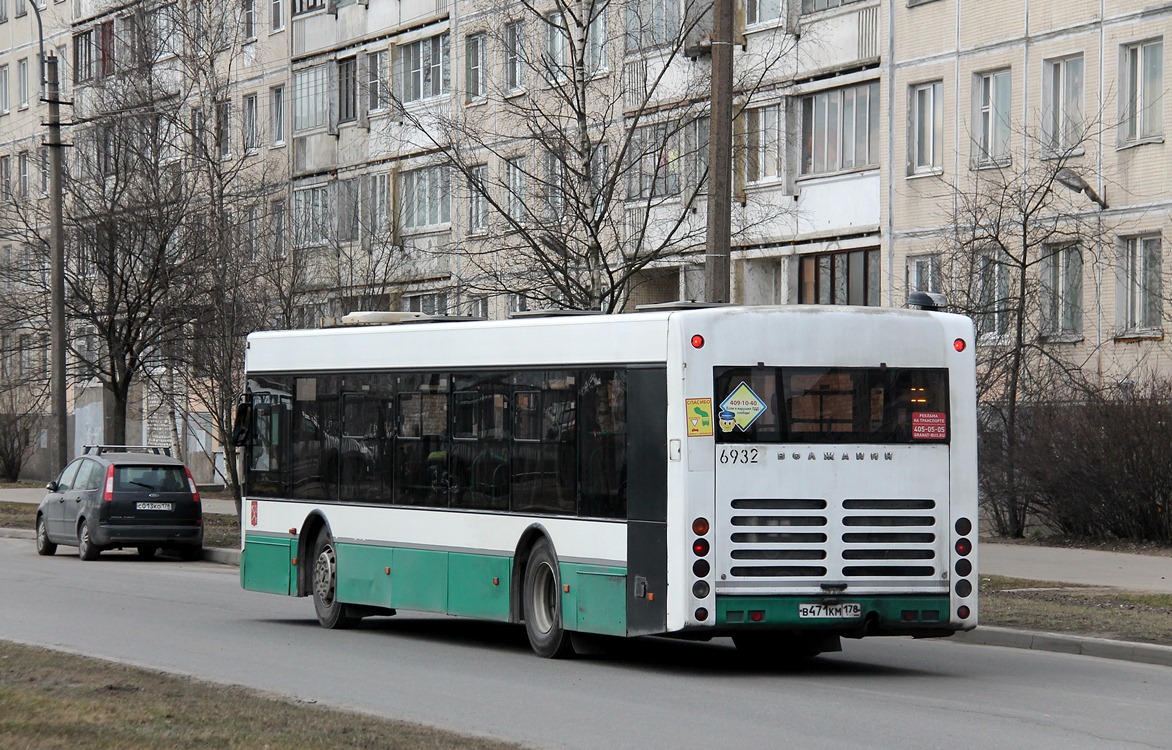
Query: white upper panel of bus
x=830 y=335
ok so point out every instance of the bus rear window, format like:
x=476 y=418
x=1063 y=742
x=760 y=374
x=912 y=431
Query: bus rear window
x=831 y=405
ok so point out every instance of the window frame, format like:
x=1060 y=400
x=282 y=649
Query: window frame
x=1140 y=120
x=993 y=92
x=1063 y=116
x=1139 y=308
x=825 y=126
x=930 y=133
x=1061 y=276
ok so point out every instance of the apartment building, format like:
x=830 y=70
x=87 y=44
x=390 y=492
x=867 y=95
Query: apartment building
x=1067 y=99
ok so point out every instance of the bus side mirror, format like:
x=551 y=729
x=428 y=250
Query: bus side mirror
x=241 y=424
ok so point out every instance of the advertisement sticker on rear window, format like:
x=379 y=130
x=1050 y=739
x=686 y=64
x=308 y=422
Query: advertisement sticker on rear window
x=929 y=425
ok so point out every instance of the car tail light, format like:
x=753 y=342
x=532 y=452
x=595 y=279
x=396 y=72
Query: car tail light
x=191 y=484
x=108 y=492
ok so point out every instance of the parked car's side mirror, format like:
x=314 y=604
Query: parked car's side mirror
x=51 y=486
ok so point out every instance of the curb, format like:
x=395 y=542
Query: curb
x=211 y=554
x=1141 y=653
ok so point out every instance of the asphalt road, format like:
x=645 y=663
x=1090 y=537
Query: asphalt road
x=192 y=618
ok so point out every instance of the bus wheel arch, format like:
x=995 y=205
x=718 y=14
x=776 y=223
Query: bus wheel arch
x=529 y=539
x=311 y=527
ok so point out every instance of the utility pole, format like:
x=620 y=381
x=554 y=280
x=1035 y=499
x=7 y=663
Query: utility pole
x=718 y=250
x=57 y=264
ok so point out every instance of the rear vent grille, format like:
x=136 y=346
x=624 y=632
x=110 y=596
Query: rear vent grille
x=856 y=538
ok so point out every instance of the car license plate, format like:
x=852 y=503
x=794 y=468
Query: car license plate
x=844 y=611
x=153 y=506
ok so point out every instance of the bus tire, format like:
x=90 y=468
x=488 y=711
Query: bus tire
x=331 y=613
x=543 y=604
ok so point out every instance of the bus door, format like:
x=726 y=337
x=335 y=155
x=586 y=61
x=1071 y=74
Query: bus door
x=831 y=479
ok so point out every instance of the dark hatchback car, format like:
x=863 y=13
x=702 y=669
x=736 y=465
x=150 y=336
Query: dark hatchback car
x=115 y=497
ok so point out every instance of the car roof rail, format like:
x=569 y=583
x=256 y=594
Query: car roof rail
x=97 y=450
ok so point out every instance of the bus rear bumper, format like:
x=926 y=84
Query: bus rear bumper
x=923 y=616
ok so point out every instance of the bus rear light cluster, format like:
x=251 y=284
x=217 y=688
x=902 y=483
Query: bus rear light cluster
x=701 y=567
x=963 y=567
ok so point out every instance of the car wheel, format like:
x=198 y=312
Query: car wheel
x=147 y=552
x=86 y=549
x=543 y=604
x=44 y=546
x=331 y=613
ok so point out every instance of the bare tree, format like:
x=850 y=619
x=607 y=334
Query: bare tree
x=581 y=170
x=1021 y=239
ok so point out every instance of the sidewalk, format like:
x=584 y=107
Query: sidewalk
x=1033 y=562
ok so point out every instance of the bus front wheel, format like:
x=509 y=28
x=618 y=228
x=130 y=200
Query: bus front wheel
x=543 y=604
x=331 y=613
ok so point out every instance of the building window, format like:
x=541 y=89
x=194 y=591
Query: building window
x=429 y=304
x=1139 y=295
x=597 y=38
x=347 y=209
x=347 y=90
x=927 y=127
x=22 y=163
x=514 y=56
x=83 y=56
x=656 y=170
x=477 y=202
x=474 y=51
x=843 y=278
x=310 y=212
x=277 y=14
x=762 y=11
x=45 y=166
x=22 y=81
x=307 y=6
x=422 y=68
x=380 y=204
x=251 y=127
x=557 y=48
x=515 y=184
x=991 y=315
x=840 y=129
x=764 y=139
x=309 y=98
x=106 y=48
x=277 y=227
x=992 y=117
x=1062 y=114
x=223 y=129
x=3 y=88
x=651 y=23
x=248 y=19
x=1061 y=272
x=277 y=115
x=21 y=8
x=3 y=11
x=924 y=273
x=426 y=197
x=378 y=91
x=5 y=178
x=1142 y=93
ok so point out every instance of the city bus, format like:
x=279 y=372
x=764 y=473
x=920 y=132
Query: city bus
x=784 y=476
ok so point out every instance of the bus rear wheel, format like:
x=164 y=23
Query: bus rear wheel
x=543 y=604
x=331 y=613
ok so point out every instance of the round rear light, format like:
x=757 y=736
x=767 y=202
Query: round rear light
x=958 y=345
x=700 y=526
x=962 y=612
x=963 y=547
x=964 y=567
x=700 y=589
x=697 y=341
x=701 y=568
x=700 y=547
x=963 y=526
x=963 y=587
x=701 y=614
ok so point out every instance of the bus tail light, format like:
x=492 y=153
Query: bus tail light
x=959 y=345
x=700 y=526
x=963 y=547
x=700 y=547
x=963 y=612
x=701 y=614
x=697 y=341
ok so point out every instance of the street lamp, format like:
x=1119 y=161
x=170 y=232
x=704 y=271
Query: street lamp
x=50 y=85
x=1068 y=178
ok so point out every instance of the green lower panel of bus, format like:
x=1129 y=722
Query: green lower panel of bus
x=470 y=585
x=894 y=612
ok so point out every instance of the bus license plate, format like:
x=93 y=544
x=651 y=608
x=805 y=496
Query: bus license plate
x=152 y=506
x=845 y=611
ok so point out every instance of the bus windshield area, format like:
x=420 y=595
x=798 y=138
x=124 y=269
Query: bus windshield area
x=831 y=405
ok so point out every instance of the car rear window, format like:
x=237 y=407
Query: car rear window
x=157 y=478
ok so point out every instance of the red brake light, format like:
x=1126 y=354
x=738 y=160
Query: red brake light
x=958 y=345
x=108 y=492
x=697 y=341
x=700 y=526
x=191 y=484
x=700 y=547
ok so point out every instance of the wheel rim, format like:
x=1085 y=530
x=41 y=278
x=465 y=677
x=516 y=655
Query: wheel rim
x=84 y=542
x=544 y=598
x=42 y=537
x=324 y=575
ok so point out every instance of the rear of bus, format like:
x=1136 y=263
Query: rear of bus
x=834 y=490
